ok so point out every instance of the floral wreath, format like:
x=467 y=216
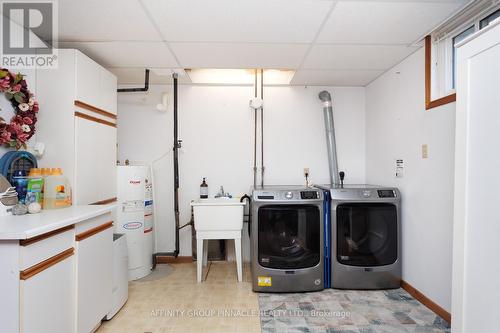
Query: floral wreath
x=22 y=125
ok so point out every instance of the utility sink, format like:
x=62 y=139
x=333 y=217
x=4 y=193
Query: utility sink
x=220 y=214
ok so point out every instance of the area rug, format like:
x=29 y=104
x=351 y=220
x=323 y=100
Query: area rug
x=342 y=311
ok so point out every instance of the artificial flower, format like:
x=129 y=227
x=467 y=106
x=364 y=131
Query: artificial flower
x=26 y=128
x=16 y=88
x=24 y=107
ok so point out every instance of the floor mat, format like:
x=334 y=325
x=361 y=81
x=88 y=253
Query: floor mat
x=342 y=311
x=160 y=272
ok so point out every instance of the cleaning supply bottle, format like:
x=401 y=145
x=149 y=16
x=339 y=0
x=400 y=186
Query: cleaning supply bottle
x=20 y=182
x=57 y=191
x=204 y=189
x=35 y=186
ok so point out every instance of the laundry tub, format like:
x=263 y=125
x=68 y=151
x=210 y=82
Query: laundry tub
x=220 y=218
x=218 y=214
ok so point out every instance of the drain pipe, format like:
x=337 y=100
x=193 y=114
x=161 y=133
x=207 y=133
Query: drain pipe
x=326 y=98
x=255 y=139
x=177 y=145
x=263 y=168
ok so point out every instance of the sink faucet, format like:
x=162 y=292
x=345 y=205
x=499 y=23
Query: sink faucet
x=222 y=194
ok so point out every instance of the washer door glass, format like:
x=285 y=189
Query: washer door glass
x=367 y=234
x=289 y=236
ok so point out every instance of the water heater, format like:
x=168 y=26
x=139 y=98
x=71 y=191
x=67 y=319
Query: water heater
x=134 y=218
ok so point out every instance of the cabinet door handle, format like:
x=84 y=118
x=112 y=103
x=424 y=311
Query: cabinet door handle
x=40 y=267
x=93 y=231
x=29 y=241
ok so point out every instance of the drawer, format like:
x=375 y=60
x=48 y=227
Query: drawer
x=85 y=227
x=34 y=250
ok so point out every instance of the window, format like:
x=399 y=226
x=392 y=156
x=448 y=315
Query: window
x=457 y=39
x=488 y=19
x=479 y=24
x=441 y=52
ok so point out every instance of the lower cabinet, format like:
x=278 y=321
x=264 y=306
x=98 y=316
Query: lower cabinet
x=46 y=297
x=94 y=265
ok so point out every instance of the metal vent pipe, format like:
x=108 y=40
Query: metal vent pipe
x=331 y=146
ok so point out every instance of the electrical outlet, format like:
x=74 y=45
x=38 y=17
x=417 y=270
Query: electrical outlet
x=425 y=151
x=306 y=171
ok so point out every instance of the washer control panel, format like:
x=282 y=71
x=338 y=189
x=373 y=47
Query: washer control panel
x=287 y=195
x=308 y=195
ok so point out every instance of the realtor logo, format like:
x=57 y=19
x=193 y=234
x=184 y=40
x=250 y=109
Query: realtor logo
x=28 y=34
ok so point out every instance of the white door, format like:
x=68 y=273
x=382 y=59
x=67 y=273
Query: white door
x=94 y=278
x=476 y=239
x=47 y=302
x=95 y=162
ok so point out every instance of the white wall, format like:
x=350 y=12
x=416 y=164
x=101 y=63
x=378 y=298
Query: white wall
x=397 y=125
x=216 y=126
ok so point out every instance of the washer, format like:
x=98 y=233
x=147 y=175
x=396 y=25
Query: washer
x=286 y=236
x=366 y=237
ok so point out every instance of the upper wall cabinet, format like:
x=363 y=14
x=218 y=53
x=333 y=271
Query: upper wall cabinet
x=77 y=124
x=94 y=84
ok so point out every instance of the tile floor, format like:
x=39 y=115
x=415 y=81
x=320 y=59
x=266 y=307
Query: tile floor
x=172 y=301
x=343 y=311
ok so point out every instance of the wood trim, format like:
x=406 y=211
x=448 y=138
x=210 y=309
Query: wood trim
x=173 y=260
x=94 y=119
x=104 y=202
x=93 y=231
x=94 y=109
x=426 y=301
x=29 y=241
x=40 y=267
x=429 y=104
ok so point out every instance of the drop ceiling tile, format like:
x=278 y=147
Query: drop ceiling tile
x=283 y=21
x=135 y=76
x=98 y=20
x=238 y=55
x=376 y=22
x=356 y=56
x=126 y=54
x=334 y=77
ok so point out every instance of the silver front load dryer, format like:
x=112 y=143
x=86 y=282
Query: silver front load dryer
x=366 y=237
x=286 y=237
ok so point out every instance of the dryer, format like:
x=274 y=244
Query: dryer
x=286 y=236
x=365 y=237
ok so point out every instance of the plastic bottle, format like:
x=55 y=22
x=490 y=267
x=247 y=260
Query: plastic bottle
x=20 y=182
x=35 y=186
x=204 y=189
x=57 y=191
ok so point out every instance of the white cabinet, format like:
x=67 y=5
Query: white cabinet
x=46 y=299
x=94 y=274
x=46 y=286
x=95 y=164
x=476 y=228
x=88 y=73
x=77 y=124
x=108 y=84
x=94 y=84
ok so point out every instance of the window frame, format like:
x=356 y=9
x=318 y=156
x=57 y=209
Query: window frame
x=439 y=61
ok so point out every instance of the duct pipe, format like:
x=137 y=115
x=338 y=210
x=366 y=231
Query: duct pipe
x=326 y=98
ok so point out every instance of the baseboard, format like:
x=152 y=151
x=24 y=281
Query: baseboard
x=426 y=301
x=173 y=260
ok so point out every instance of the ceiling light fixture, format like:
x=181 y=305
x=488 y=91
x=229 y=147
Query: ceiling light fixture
x=238 y=76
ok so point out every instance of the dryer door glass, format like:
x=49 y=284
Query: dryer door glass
x=367 y=234
x=289 y=236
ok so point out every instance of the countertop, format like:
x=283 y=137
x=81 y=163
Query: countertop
x=30 y=225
